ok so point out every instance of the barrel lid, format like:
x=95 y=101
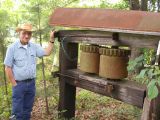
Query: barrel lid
x=90 y=48
x=114 y=52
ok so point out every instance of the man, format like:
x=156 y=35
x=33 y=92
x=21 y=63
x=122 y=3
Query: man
x=20 y=67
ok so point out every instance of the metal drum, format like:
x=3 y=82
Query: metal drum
x=89 y=58
x=113 y=63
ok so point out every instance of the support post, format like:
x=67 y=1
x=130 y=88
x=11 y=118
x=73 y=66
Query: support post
x=68 y=53
x=151 y=109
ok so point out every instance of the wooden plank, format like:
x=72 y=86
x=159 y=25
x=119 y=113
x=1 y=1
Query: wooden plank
x=156 y=107
x=106 y=38
x=126 y=31
x=67 y=93
x=139 y=41
x=123 y=90
x=146 y=110
x=151 y=108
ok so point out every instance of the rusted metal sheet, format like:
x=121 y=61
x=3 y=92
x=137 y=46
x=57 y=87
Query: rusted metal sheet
x=106 y=19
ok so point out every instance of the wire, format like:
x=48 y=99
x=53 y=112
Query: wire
x=64 y=50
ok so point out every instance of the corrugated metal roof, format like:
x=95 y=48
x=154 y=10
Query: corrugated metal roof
x=106 y=19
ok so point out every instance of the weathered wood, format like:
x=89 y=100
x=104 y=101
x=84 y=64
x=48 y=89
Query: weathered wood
x=67 y=91
x=107 y=38
x=151 y=109
x=156 y=107
x=123 y=90
x=146 y=110
x=139 y=41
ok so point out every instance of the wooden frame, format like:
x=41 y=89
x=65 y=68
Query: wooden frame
x=70 y=77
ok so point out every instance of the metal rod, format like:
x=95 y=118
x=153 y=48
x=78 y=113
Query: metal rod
x=157 y=54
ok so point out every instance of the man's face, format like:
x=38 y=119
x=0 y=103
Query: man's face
x=25 y=36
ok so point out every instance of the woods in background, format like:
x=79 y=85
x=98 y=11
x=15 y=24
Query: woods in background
x=14 y=12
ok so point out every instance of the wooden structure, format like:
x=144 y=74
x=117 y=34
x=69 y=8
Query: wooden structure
x=124 y=90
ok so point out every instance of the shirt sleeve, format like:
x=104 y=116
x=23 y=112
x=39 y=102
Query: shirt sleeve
x=40 y=52
x=8 y=61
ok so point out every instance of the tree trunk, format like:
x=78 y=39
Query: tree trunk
x=144 y=4
x=158 y=5
x=43 y=69
x=134 y=4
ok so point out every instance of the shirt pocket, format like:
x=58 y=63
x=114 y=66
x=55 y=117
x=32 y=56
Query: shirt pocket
x=33 y=58
x=20 y=61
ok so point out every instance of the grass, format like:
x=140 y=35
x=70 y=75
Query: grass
x=93 y=106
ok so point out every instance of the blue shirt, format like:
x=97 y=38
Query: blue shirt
x=22 y=60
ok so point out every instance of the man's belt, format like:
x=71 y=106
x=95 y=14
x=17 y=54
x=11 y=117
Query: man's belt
x=26 y=80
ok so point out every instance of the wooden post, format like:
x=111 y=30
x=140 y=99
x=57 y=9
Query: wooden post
x=151 y=109
x=68 y=53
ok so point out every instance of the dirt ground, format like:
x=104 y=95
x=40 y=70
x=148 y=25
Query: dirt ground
x=97 y=113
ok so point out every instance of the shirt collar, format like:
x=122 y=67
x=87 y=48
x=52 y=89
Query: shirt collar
x=20 y=45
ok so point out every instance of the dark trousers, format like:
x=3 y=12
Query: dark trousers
x=23 y=98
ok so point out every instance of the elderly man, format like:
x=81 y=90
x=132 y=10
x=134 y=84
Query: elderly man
x=20 y=66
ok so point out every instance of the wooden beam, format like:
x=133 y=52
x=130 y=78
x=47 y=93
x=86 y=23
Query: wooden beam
x=123 y=90
x=106 y=38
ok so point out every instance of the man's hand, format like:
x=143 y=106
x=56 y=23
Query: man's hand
x=48 y=50
x=52 y=36
x=14 y=83
x=10 y=76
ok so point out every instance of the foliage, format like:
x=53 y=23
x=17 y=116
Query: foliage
x=149 y=75
x=153 y=6
x=5 y=110
x=121 y=5
x=5 y=92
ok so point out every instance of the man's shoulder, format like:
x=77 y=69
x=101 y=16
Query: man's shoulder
x=34 y=45
x=13 y=45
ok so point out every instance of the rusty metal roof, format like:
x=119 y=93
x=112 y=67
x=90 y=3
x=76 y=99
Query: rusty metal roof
x=106 y=19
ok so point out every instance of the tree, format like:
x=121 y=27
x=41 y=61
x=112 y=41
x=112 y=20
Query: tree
x=144 y=5
x=5 y=24
x=134 y=4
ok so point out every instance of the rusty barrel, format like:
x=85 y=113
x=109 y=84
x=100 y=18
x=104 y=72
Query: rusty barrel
x=89 y=58
x=113 y=63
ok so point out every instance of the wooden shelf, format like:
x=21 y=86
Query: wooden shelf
x=123 y=90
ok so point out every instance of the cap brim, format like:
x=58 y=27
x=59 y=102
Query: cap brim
x=20 y=29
